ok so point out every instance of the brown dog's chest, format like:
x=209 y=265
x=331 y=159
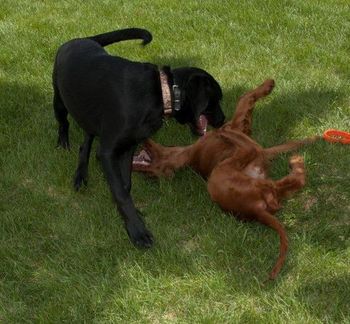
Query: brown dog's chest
x=255 y=171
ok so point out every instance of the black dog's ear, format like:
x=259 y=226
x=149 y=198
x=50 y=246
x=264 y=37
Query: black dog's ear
x=199 y=90
x=197 y=93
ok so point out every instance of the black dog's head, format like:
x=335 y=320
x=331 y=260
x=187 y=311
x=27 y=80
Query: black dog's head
x=200 y=99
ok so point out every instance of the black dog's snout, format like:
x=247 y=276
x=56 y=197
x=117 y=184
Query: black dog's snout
x=217 y=122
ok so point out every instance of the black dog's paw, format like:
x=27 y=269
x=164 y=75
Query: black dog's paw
x=98 y=154
x=138 y=233
x=63 y=142
x=80 y=178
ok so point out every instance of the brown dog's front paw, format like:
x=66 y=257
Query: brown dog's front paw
x=268 y=86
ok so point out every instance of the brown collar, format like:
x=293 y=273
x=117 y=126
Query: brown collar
x=166 y=94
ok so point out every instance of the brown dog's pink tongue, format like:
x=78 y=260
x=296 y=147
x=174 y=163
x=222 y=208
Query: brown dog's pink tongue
x=202 y=124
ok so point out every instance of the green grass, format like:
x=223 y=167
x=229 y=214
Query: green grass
x=65 y=256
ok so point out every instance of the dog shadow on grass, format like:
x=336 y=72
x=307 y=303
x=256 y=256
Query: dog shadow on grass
x=194 y=240
x=193 y=236
x=18 y=104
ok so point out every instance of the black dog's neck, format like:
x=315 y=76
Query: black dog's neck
x=175 y=93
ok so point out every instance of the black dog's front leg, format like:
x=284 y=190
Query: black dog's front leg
x=125 y=167
x=137 y=231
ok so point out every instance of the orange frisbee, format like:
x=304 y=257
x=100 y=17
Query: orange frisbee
x=336 y=136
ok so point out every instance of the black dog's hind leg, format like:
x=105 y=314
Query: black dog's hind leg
x=84 y=155
x=118 y=176
x=61 y=116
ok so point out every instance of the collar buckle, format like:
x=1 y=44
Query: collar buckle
x=177 y=97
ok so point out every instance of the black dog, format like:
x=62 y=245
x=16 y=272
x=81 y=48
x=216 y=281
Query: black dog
x=123 y=103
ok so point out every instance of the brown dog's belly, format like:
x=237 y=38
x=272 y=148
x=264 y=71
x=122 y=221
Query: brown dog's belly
x=242 y=192
x=231 y=190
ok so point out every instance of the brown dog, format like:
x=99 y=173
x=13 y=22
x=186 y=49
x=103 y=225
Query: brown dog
x=236 y=168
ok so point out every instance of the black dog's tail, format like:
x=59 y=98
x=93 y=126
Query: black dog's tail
x=121 y=35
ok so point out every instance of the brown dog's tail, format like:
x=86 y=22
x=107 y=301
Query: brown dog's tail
x=121 y=35
x=271 y=221
x=271 y=152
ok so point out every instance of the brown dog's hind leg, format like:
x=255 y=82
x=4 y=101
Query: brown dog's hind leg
x=294 y=181
x=271 y=152
x=242 y=118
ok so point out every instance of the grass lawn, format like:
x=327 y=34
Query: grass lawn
x=65 y=256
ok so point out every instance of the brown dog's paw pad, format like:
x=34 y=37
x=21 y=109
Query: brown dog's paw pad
x=296 y=163
x=296 y=159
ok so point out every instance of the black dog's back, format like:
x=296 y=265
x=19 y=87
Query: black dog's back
x=87 y=81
